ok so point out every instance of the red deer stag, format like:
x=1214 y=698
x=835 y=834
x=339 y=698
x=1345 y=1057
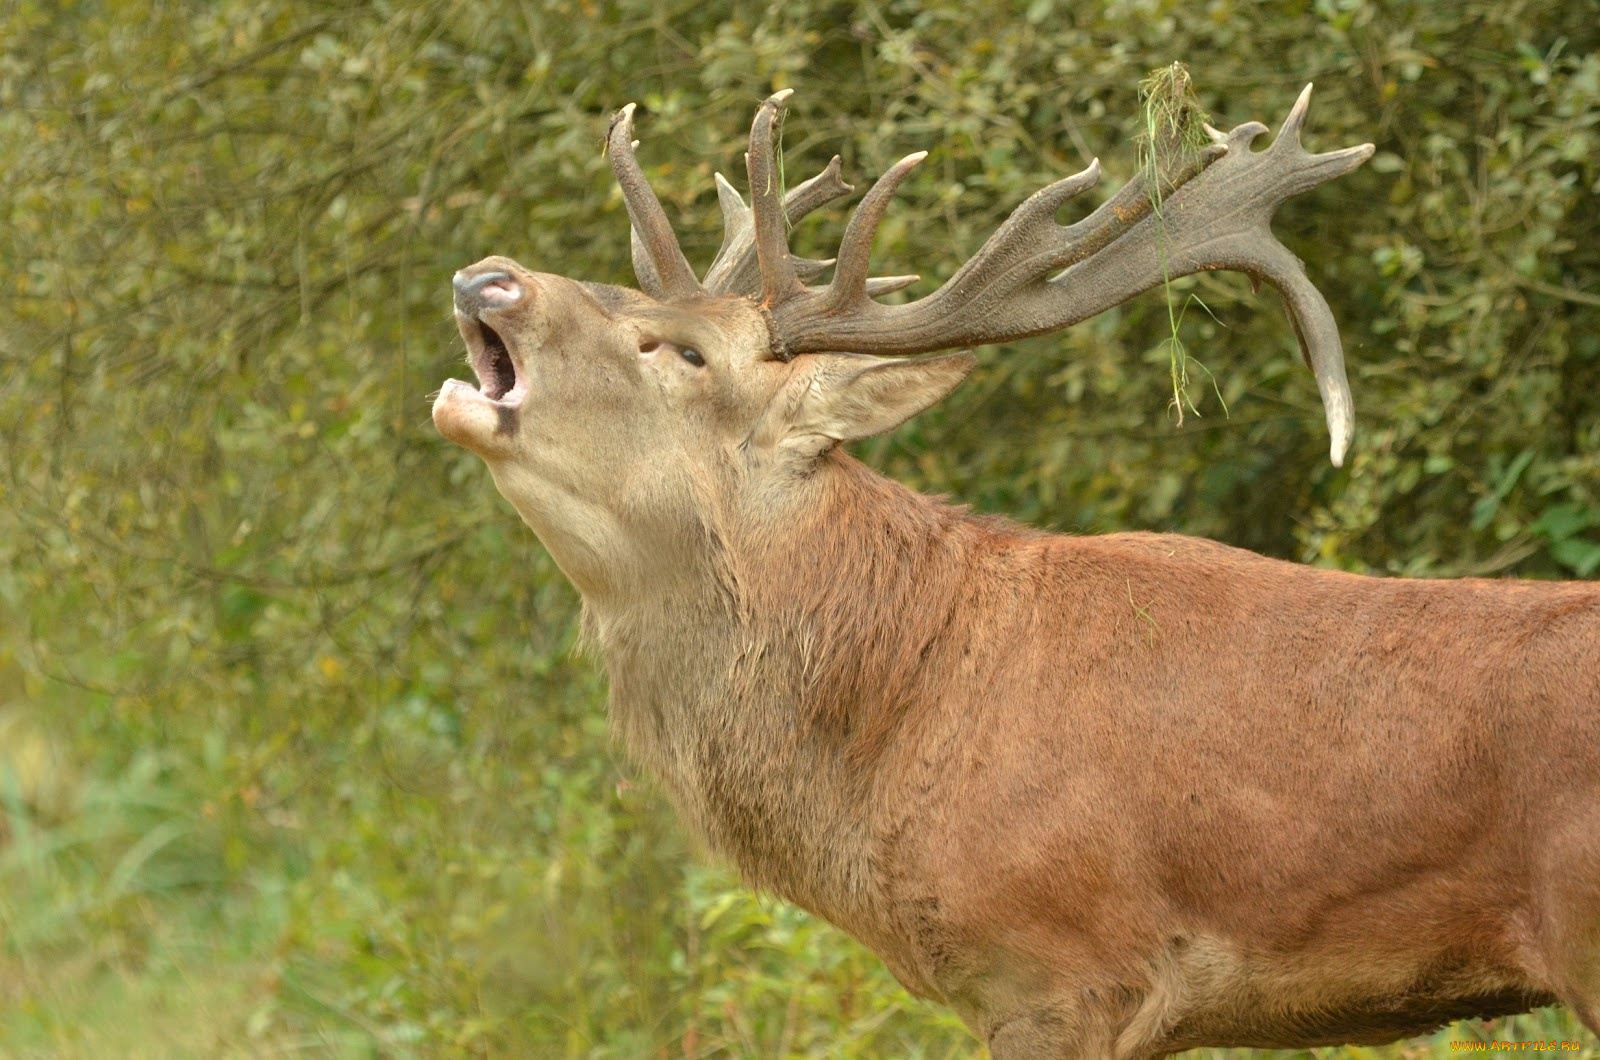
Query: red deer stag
x=1276 y=807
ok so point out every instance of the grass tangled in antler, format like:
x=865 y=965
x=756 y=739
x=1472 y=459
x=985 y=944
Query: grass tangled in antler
x=1174 y=135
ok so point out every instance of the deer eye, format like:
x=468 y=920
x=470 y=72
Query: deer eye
x=688 y=353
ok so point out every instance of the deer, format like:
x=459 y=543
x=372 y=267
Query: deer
x=1277 y=806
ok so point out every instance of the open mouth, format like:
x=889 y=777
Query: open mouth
x=491 y=362
x=480 y=293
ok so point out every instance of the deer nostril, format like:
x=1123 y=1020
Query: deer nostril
x=468 y=281
x=484 y=290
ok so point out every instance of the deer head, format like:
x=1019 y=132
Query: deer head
x=614 y=419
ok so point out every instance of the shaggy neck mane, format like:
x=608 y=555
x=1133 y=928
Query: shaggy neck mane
x=763 y=689
x=867 y=628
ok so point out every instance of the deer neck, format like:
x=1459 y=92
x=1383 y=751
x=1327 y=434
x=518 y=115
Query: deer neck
x=757 y=693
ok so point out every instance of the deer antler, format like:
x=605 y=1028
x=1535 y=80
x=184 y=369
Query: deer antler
x=657 y=255
x=1034 y=275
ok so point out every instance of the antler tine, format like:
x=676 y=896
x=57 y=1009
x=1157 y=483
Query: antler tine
x=738 y=242
x=877 y=285
x=1297 y=116
x=735 y=270
x=661 y=268
x=1216 y=211
x=779 y=283
x=819 y=190
x=1031 y=235
x=849 y=286
x=1312 y=169
x=644 y=270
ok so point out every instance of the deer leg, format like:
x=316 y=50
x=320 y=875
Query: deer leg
x=1045 y=1034
x=1581 y=990
x=1064 y=1028
x=1571 y=915
x=1583 y=995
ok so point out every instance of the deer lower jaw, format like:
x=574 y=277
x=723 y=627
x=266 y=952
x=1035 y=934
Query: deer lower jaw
x=473 y=420
x=482 y=394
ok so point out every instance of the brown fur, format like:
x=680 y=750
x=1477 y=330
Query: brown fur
x=1107 y=796
x=1088 y=752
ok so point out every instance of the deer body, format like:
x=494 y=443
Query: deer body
x=1107 y=756
x=1106 y=796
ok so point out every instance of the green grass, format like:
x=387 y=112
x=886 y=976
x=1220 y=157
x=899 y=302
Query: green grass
x=1173 y=136
x=159 y=908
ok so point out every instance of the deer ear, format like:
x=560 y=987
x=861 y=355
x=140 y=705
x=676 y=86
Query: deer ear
x=852 y=396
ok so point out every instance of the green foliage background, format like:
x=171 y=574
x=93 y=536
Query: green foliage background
x=294 y=753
